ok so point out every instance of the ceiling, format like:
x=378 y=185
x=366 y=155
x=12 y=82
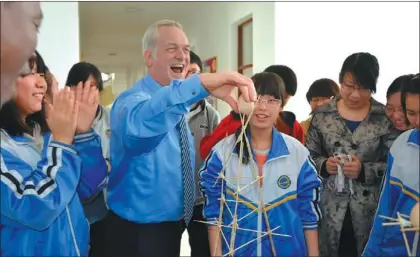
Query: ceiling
x=111 y=32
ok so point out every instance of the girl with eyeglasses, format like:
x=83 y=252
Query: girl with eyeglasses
x=286 y=122
x=401 y=189
x=277 y=174
x=393 y=107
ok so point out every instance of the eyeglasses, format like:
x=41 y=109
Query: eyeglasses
x=350 y=89
x=192 y=72
x=390 y=110
x=269 y=102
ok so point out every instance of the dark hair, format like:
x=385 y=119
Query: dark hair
x=49 y=80
x=194 y=58
x=10 y=116
x=266 y=83
x=40 y=64
x=397 y=84
x=81 y=71
x=322 y=88
x=364 y=68
x=411 y=86
x=288 y=76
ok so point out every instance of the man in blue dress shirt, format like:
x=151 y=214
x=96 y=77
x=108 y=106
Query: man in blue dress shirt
x=151 y=185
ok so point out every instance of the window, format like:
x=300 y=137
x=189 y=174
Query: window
x=245 y=44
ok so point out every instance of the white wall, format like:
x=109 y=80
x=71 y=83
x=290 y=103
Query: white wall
x=125 y=78
x=59 y=37
x=215 y=34
x=315 y=38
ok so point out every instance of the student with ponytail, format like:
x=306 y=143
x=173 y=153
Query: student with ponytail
x=287 y=180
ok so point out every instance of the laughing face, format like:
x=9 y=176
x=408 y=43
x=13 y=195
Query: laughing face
x=266 y=112
x=413 y=109
x=394 y=111
x=171 y=57
x=30 y=92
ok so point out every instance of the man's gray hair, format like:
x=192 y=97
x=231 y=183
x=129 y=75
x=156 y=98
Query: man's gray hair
x=152 y=33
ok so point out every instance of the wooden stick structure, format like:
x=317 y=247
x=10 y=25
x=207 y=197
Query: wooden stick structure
x=238 y=187
x=406 y=225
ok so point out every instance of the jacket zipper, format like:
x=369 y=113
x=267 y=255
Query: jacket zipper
x=72 y=231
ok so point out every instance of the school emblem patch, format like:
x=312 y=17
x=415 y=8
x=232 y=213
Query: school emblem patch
x=283 y=182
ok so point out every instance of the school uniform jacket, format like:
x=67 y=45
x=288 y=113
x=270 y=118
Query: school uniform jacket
x=400 y=193
x=290 y=189
x=42 y=185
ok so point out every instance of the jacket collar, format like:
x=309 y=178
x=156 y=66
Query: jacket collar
x=278 y=145
x=375 y=107
x=414 y=138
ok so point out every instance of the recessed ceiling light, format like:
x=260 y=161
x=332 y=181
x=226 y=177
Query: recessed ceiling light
x=132 y=9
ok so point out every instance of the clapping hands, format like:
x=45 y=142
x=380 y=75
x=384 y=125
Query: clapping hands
x=62 y=115
x=88 y=99
x=72 y=110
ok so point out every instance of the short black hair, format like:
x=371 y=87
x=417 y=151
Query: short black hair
x=322 y=88
x=411 y=86
x=271 y=84
x=194 y=58
x=364 y=67
x=288 y=76
x=266 y=83
x=81 y=71
x=397 y=85
x=10 y=119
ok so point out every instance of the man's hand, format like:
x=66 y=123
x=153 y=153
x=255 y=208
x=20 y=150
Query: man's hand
x=352 y=169
x=221 y=86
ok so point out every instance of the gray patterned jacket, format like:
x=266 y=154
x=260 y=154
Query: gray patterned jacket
x=370 y=142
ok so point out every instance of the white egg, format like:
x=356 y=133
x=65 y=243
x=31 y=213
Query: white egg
x=245 y=107
x=414 y=216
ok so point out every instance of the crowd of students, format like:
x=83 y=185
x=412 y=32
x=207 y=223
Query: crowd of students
x=345 y=122
x=78 y=181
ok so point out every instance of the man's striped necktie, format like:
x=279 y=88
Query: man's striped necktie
x=187 y=172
